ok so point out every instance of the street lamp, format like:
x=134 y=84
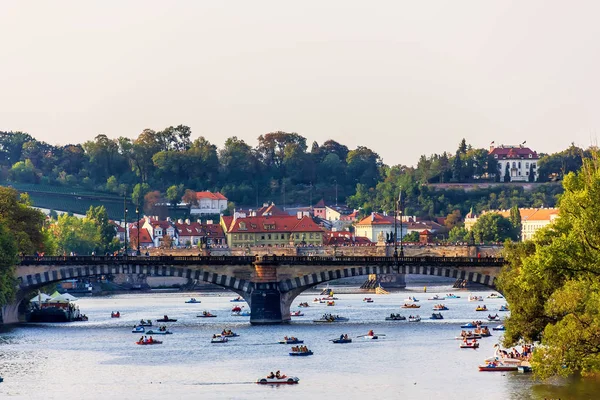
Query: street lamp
x=126 y=230
x=401 y=207
x=336 y=193
x=137 y=211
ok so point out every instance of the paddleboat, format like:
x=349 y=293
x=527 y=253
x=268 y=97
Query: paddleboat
x=440 y=307
x=436 y=297
x=319 y=301
x=503 y=308
x=1 y=379
x=452 y=296
x=475 y=298
x=237 y=299
x=499 y=328
x=469 y=345
x=193 y=301
x=229 y=334
x=159 y=332
x=411 y=299
x=414 y=319
x=468 y=335
x=481 y=308
x=484 y=332
x=301 y=353
x=297 y=314
x=496 y=366
x=411 y=306
x=138 y=329
x=493 y=317
x=331 y=303
x=331 y=318
x=371 y=335
x=218 y=339
x=115 y=314
x=240 y=314
x=368 y=300
x=166 y=319
x=149 y=342
x=282 y=380
x=236 y=309
x=329 y=298
x=342 y=339
x=305 y=304
x=291 y=340
x=206 y=314
x=395 y=317
x=524 y=369
x=145 y=323
x=495 y=296
x=437 y=316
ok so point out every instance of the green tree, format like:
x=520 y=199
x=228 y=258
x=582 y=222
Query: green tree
x=412 y=237
x=25 y=222
x=453 y=219
x=492 y=227
x=531 y=176
x=507 y=173
x=99 y=216
x=552 y=283
x=515 y=220
x=78 y=235
x=174 y=194
x=458 y=234
x=8 y=260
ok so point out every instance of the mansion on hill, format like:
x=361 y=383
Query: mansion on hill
x=518 y=161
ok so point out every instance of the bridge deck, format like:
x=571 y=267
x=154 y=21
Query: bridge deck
x=250 y=260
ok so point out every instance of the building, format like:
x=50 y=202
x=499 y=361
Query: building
x=532 y=219
x=208 y=203
x=378 y=225
x=517 y=161
x=344 y=238
x=277 y=230
x=420 y=226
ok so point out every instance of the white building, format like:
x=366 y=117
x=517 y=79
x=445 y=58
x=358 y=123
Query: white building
x=532 y=219
x=519 y=161
x=209 y=203
x=377 y=224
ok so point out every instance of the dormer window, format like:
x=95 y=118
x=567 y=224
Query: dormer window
x=530 y=156
x=243 y=226
x=496 y=156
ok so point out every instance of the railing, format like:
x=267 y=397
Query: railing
x=249 y=260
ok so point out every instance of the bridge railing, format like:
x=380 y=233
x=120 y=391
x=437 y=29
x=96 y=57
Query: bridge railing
x=249 y=260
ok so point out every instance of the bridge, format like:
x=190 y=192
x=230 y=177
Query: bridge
x=268 y=283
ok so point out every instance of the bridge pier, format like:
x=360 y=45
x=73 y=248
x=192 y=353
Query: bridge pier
x=267 y=303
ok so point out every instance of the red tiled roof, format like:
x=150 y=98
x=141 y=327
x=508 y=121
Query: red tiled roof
x=197 y=229
x=273 y=224
x=210 y=195
x=227 y=220
x=320 y=204
x=144 y=235
x=343 y=240
x=513 y=152
x=376 y=219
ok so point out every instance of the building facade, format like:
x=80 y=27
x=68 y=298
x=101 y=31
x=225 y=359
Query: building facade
x=532 y=219
x=208 y=203
x=516 y=161
x=376 y=225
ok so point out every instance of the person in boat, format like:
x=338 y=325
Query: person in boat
x=342 y=336
x=278 y=374
x=271 y=375
x=285 y=338
x=214 y=335
x=150 y=340
x=166 y=317
x=370 y=333
x=346 y=336
x=141 y=340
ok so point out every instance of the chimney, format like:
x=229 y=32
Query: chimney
x=180 y=221
x=209 y=221
x=372 y=216
x=187 y=221
x=299 y=215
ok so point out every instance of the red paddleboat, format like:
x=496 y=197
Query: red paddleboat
x=149 y=343
x=236 y=309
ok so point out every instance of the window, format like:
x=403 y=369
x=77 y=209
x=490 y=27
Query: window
x=310 y=236
x=527 y=173
x=526 y=165
x=514 y=164
x=282 y=236
x=234 y=237
x=496 y=156
x=519 y=164
x=246 y=237
x=269 y=236
x=262 y=237
x=317 y=235
x=297 y=236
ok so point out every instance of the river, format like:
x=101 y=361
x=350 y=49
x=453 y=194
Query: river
x=98 y=358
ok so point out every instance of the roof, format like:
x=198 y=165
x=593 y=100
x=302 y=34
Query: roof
x=532 y=214
x=271 y=209
x=346 y=240
x=277 y=223
x=425 y=232
x=144 y=235
x=376 y=219
x=210 y=195
x=429 y=225
x=320 y=204
x=513 y=152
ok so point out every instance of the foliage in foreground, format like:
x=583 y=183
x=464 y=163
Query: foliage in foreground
x=553 y=283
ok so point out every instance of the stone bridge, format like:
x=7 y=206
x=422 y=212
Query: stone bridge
x=268 y=283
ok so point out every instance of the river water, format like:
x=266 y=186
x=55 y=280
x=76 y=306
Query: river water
x=98 y=359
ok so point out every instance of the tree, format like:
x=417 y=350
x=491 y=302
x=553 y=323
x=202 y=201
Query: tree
x=189 y=197
x=515 y=221
x=453 y=219
x=552 y=283
x=458 y=234
x=457 y=166
x=25 y=222
x=99 y=216
x=492 y=227
x=78 y=235
x=150 y=201
x=507 y=173
x=8 y=260
x=173 y=194
x=412 y=237
x=531 y=177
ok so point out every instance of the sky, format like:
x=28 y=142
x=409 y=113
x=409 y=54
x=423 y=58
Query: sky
x=403 y=78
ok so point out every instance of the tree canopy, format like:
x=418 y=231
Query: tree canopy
x=553 y=282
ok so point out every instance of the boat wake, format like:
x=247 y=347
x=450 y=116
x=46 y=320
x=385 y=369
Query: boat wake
x=221 y=383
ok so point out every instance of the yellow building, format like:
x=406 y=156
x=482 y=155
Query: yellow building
x=532 y=219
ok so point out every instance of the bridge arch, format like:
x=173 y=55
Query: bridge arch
x=311 y=279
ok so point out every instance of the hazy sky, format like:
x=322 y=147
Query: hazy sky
x=402 y=77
